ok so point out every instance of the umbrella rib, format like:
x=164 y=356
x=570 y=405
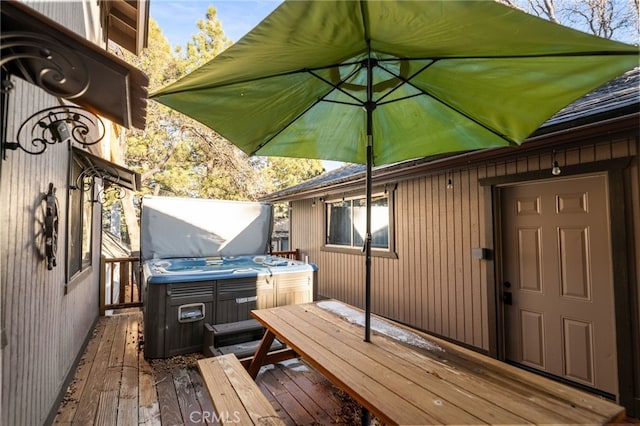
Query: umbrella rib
x=404 y=81
x=437 y=58
x=441 y=101
x=530 y=55
x=283 y=128
x=331 y=101
x=320 y=99
x=337 y=86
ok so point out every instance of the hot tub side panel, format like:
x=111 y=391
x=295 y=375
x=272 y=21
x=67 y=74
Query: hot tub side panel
x=153 y=307
x=174 y=316
x=189 y=307
x=295 y=287
x=239 y=296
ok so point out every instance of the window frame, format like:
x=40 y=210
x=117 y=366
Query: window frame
x=80 y=213
x=390 y=251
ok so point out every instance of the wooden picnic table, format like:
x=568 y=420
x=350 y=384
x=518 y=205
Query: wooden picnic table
x=430 y=381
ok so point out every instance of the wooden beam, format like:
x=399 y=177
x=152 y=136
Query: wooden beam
x=271 y=357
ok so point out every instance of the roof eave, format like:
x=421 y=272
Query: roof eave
x=609 y=124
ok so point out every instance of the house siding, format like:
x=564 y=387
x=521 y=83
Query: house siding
x=435 y=284
x=44 y=328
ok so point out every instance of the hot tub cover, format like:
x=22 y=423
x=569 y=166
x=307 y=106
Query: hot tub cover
x=192 y=227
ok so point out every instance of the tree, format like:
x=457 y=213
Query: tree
x=176 y=155
x=205 y=45
x=146 y=150
x=613 y=19
x=280 y=173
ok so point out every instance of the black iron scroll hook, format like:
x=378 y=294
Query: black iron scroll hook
x=51 y=227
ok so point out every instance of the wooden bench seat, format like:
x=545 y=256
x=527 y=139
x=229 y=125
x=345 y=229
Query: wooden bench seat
x=235 y=396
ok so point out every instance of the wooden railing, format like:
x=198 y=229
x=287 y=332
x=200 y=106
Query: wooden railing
x=120 y=283
x=290 y=254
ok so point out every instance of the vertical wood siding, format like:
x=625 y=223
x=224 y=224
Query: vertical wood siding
x=44 y=328
x=435 y=284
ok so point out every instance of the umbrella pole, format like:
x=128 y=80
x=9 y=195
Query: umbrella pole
x=367 y=245
x=369 y=106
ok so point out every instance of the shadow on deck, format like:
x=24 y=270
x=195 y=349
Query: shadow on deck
x=115 y=384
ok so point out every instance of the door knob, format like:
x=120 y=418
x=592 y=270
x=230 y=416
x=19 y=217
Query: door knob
x=507 y=298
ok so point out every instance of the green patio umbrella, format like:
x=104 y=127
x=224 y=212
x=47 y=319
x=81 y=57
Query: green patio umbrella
x=377 y=82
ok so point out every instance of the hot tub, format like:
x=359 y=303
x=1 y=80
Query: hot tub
x=182 y=294
x=204 y=262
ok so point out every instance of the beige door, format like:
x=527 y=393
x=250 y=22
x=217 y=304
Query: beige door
x=558 y=285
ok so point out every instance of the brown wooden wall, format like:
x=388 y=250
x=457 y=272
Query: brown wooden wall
x=44 y=328
x=435 y=284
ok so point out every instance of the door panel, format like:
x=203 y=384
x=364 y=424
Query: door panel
x=559 y=313
x=533 y=345
x=579 y=350
x=574 y=262
x=529 y=255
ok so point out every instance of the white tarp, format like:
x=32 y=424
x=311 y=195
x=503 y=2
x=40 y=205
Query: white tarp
x=193 y=227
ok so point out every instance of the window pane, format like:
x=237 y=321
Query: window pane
x=339 y=223
x=380 y=222
x=75 y=225
x=80 y=222
x=87 y=215
x=347 y=220
x=359 y=221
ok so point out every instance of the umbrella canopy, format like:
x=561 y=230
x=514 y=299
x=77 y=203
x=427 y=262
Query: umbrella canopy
x=476 y=74
x=377 y=82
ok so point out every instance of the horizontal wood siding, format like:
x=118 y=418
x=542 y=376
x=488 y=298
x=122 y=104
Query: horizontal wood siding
x=44 y=328
x=435 y=284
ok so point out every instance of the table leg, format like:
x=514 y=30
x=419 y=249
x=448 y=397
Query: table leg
x=365 y=417
x=261 y=353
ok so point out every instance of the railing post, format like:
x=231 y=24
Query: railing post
x=124 y=276
x=103 y=281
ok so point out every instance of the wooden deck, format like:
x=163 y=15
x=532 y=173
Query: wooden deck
x=115 y=384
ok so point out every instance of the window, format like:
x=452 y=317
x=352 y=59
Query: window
x=346 y=222
x=80 y=221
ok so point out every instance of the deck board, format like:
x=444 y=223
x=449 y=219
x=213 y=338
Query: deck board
x=90 y=398
x=148 y=404
x=115 y=384
x=128 y=397
x=187 y=399
x=168 y=398
x=69 y=405
x=202 y=395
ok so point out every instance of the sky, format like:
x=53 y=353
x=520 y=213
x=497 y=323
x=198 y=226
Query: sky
x=177 y=18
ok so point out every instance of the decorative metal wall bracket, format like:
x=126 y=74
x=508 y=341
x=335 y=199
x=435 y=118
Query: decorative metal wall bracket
x=111 y=187
x=51 y=227
x=45 y=62
x=59 y=71
x=56 y=125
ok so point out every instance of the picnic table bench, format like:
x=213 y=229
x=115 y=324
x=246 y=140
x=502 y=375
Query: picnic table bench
x=429 y=381
x=235 y=396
